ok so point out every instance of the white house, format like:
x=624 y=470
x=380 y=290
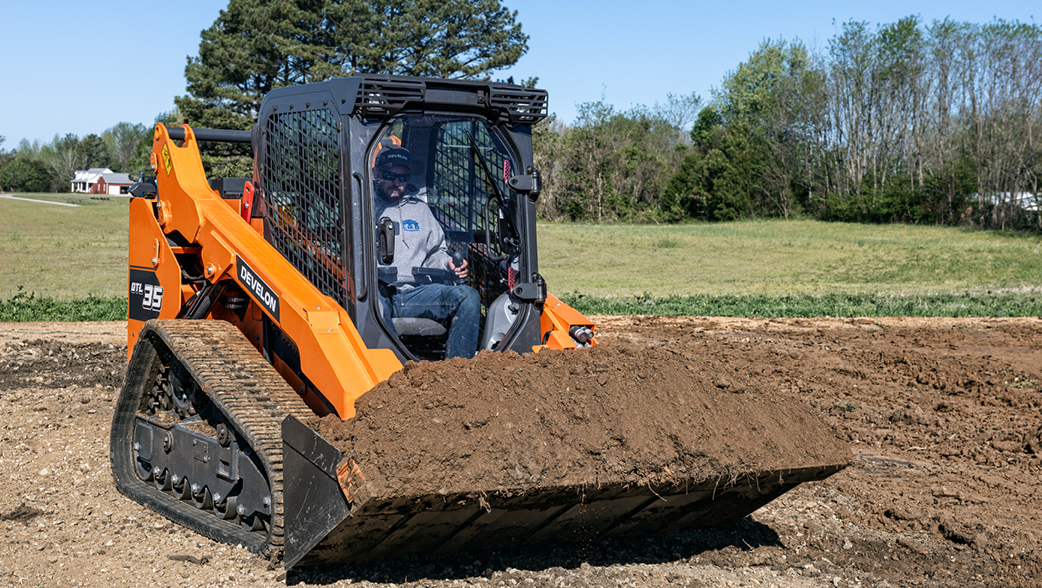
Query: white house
x=84 y=180
x=112 y=184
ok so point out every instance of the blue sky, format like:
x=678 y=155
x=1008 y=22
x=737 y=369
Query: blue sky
x=70 y=66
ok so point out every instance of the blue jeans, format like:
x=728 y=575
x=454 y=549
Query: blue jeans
x=439 y=302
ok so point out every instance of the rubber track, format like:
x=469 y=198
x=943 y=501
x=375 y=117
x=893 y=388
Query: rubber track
x=243 y=386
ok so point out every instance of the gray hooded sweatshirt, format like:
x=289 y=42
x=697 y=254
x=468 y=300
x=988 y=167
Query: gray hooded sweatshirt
x=418 y=238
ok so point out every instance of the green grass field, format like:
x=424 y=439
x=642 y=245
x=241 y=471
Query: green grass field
x=785 y=258
x=64 y=252
x=66 y=263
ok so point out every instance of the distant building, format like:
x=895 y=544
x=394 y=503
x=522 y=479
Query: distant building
x=110 y=183
x=1027 y=201
x=84 y=180
x=1024 y=200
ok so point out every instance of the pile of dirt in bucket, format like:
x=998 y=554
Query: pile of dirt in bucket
x=612 y=414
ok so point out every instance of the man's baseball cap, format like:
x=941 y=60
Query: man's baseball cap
x=391 y=156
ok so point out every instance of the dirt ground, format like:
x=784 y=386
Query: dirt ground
x=942 y=415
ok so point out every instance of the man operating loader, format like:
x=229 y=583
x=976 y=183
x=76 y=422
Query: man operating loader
x=419 y=242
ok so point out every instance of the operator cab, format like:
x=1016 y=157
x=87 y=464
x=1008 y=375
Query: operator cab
x=464 y=150
x=440 y=200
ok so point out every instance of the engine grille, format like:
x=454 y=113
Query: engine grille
x=302 y=189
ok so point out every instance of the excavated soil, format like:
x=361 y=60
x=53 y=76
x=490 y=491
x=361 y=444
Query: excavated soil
x=942 y=415
x=621 y=413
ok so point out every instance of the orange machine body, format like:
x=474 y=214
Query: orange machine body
x=187 y=224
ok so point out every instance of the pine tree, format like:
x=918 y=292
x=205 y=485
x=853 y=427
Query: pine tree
x=255 y=46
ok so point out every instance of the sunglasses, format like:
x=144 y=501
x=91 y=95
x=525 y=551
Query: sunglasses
x=390 y=176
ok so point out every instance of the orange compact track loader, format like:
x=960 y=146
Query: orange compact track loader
x=257 y=304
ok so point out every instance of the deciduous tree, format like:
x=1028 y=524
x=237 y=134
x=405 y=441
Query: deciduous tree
x=24 y=175
x=610 y=165
x=122 y=140
x=63 y=156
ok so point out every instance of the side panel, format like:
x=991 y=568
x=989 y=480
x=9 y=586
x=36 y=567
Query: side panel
x=154 y=276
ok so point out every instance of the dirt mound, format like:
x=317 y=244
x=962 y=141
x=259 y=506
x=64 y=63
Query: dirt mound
x=943 y=415
x=60 y=364
x=617 y=413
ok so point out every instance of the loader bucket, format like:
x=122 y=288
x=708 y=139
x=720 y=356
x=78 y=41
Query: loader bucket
x=331 y=518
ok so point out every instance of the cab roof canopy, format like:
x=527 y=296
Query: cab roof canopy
x=382 y=96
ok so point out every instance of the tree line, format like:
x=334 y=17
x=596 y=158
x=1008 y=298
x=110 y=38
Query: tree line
x=611 y=165
x=50 y=167
x=903 y=122
x=255 y=46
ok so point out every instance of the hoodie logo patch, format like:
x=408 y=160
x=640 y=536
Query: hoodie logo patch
x=410 y=225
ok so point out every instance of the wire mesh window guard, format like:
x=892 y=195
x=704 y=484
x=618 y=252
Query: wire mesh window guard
x=304 y=196
x=460 y=193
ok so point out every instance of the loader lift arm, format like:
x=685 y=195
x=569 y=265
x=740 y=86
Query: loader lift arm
x=230 y=249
